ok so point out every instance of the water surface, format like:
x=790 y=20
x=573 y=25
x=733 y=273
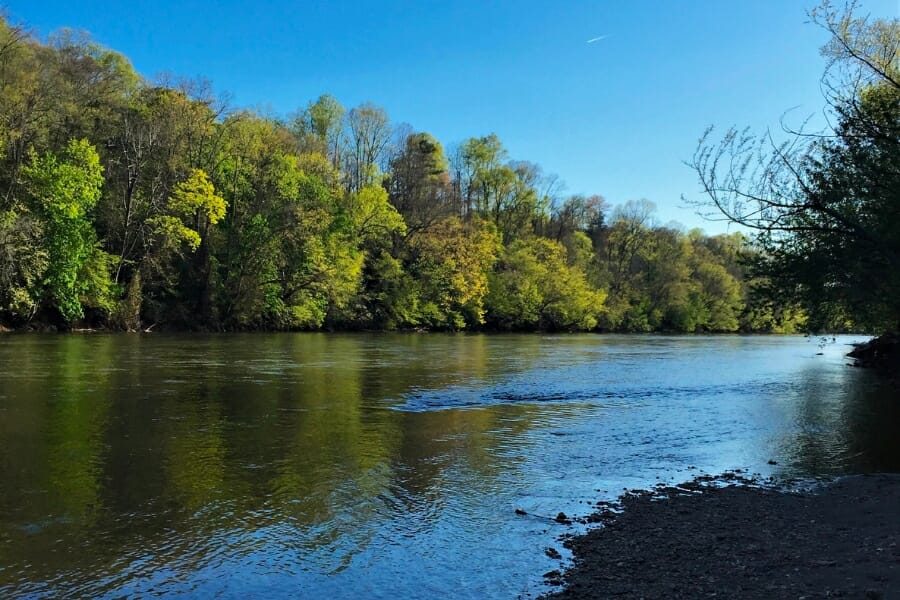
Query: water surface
x=306 y=465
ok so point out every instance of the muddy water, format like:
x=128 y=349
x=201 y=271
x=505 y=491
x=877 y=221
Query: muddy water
x=353 y=466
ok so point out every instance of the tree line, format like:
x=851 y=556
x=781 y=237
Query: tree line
x=127 y=203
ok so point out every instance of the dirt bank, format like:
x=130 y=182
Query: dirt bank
x=744 y=541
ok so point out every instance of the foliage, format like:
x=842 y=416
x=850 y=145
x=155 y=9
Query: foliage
x=419 y=182
x=195 y=199
x=23 y=262
x=130 y=203
x=535 y=288
x=826 y=207
x=451 y=265
x=372 y=219
x=63 y=191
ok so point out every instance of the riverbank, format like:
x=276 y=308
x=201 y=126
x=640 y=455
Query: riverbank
x=881 y=353
x=732 y=538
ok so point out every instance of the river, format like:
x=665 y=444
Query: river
x=383 y=466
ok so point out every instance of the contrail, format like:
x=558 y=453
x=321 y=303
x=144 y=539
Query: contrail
x=597 y=39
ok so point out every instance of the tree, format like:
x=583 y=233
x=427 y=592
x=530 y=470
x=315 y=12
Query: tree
x=826 y=208
x=474 y=162
x=419 y=182
x=25 y=104
x=23 y=262
x=320 y=128
x=369 y=224
x=195 y=206
x=256 y=171
x=368 y=132
x=624 y=241
x=577 y=213
x=514 y=195
x=296 y=258
x=88 y=86
x=141 y=162
x=63 y=191
x=533 y=287
x=451 y=263
x=371 y=219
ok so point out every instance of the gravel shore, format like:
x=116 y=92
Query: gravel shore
x=727 y=537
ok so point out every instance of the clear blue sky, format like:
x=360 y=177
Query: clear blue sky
x=615 y=117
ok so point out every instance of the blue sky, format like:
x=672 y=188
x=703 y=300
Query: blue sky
x=615 y=117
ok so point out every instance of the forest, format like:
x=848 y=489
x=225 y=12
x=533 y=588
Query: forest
x=130 y=204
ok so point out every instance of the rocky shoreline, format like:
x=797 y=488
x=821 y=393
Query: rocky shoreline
x=732 y=537
x=882 y=353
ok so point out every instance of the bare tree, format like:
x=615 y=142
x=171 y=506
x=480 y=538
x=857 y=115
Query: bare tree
x=368 y=138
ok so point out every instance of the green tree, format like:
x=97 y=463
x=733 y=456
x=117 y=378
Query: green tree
x=63 y=191
x=514 y=195
x=621 y=252
x=533 y=287
x=258 y=176
x=450 y=263
x=196 y=202
x=25 y=105
x=370 y=223
x=87 y=86
x=372 y=220
x=312 y=265
x=143 y=156
x=23 y=262
x=319 y=128
x=393 y=297
x=826 y=208
x=419 y=183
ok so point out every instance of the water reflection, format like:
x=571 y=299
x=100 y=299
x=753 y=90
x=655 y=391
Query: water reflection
x=306 y=465
x=843 y=421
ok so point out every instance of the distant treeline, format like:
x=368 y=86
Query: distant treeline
x=130 y=204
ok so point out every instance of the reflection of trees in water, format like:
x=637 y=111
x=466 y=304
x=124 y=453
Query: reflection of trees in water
x=872 y=415
x=51 y=448
x=188 y=443
x=846 y=421
x=62 y=409
x=172 y=450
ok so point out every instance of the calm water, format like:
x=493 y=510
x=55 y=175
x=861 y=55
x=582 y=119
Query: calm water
x=352 y=466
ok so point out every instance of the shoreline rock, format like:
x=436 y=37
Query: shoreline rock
x=882 y=352
x=733 y=537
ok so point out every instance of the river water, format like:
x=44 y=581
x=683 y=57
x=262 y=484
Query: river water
x=383 y=466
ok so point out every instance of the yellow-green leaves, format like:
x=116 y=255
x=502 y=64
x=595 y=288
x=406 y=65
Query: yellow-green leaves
x=452 y=265
x=63 y=190
x=196 y=197
x=194 y=200
x=23 y=262
x=66 y=187
x=534 y=287
x=170 y=233
x=371 y=215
